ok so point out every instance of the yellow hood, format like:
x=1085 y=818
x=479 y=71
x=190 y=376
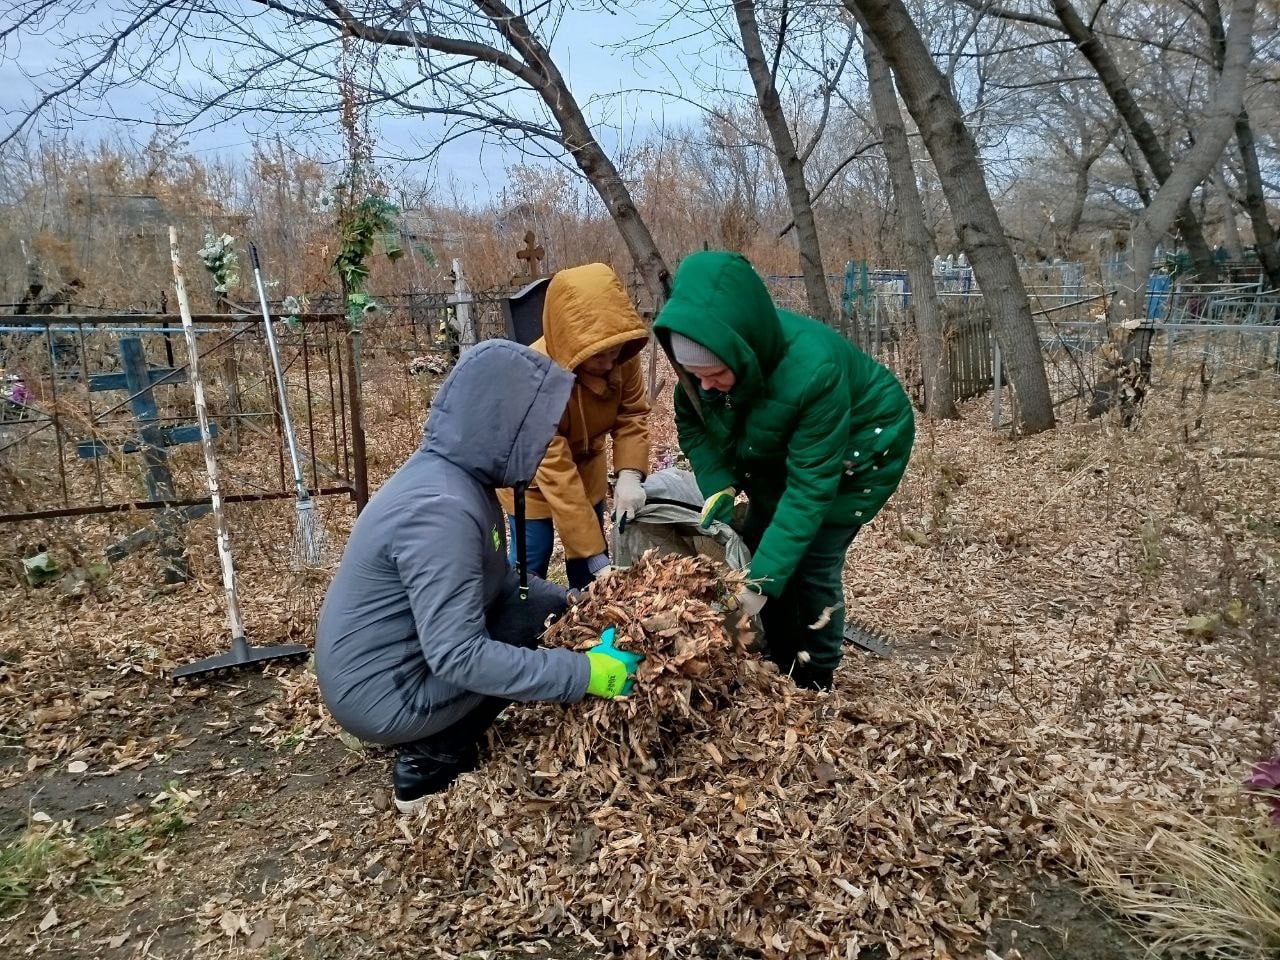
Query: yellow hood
x=586 y=312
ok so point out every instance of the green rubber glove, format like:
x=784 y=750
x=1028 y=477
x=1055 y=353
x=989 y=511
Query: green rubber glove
x=612 y=670
x=718 y=508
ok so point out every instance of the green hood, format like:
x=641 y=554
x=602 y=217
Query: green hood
x=719 y=301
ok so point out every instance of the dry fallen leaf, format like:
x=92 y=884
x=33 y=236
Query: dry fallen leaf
x=231 y=923
x=825 y=617
x=1017 y=695
x=50 y=920
x=260 y=931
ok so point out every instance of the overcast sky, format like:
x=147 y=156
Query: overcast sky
x=607 y=82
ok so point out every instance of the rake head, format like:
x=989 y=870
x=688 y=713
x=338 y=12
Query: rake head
x=863 y=638
x=240 y=657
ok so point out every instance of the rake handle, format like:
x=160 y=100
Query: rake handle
x=206 y=442
x=285 y=420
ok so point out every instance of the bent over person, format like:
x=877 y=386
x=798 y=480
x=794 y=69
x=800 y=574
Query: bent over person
x=815 y=433
x=591 y=329
x=426 y=633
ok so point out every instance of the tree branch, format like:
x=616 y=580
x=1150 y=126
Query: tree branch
x=417 y=40
x=830 y=179
x=782 y=39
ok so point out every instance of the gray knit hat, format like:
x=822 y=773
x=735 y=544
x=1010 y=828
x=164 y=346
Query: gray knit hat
x=690 y=353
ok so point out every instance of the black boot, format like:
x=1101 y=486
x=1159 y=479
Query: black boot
x=809 y=676
x=418 y=774
x=803 y=673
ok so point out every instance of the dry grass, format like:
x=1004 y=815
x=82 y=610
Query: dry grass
x=1208 y=885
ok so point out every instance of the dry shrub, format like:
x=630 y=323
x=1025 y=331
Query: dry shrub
x=1188 y=884
x=721 y=808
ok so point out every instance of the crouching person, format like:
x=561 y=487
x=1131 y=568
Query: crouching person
x=426 y=633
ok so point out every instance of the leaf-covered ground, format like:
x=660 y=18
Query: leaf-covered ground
x=1081 y=626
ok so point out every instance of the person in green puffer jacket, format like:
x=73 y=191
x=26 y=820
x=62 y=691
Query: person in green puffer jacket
x=813 y=431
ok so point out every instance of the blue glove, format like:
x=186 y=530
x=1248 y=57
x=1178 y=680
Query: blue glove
x=612 y=670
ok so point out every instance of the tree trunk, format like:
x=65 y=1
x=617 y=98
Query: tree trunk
x=608 y=183
x=1090 y=153
x=1212 y=136
x=1264 y=234
x=940 y=121
x=1230 y=229
x=1095 y=51
x=815 y=277
x=586 y=151
x=1129 y=152
x=1079 y=196
x=935 y=364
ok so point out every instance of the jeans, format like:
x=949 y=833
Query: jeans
x=540 y=538
x=467 y=716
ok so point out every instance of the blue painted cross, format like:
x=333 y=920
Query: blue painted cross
x=139 y=379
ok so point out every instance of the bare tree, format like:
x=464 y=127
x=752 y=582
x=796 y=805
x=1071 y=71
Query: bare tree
x=1093 y=47
x=1060 y=105
x=465 y=61
x=1218 y=126
x=736 y=171
x=938 y=117
x=1255 y=204
x=763 y=78
x=934 y=360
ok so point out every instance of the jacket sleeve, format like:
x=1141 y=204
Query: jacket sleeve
x=815 y=468
x=631 y=426
x=438 y=553
x=709 y=465
x=561 y=486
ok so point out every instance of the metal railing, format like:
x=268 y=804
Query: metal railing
x=90 y=406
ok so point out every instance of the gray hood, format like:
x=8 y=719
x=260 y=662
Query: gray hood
x=497 y=411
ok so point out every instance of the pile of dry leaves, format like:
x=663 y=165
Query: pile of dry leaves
x=720 y=807
x=672 y=610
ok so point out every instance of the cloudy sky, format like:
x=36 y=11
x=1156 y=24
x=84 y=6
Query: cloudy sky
x=676 y=55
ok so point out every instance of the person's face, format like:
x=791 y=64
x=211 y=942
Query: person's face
x=718 y=377
x=600 y=364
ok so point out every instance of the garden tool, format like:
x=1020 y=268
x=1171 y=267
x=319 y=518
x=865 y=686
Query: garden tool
x=863 y=638
x=241 y=653
x=308 y=541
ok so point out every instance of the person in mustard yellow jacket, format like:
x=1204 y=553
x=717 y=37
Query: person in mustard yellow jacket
x=591 y=329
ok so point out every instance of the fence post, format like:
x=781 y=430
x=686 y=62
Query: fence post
x=875 y=315
x=462 y=308
x=231 y=380
x=356 y=412
x=411 y=298
x=998 y=387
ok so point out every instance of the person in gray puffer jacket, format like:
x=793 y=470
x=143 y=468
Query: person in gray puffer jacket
x=426 y=633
